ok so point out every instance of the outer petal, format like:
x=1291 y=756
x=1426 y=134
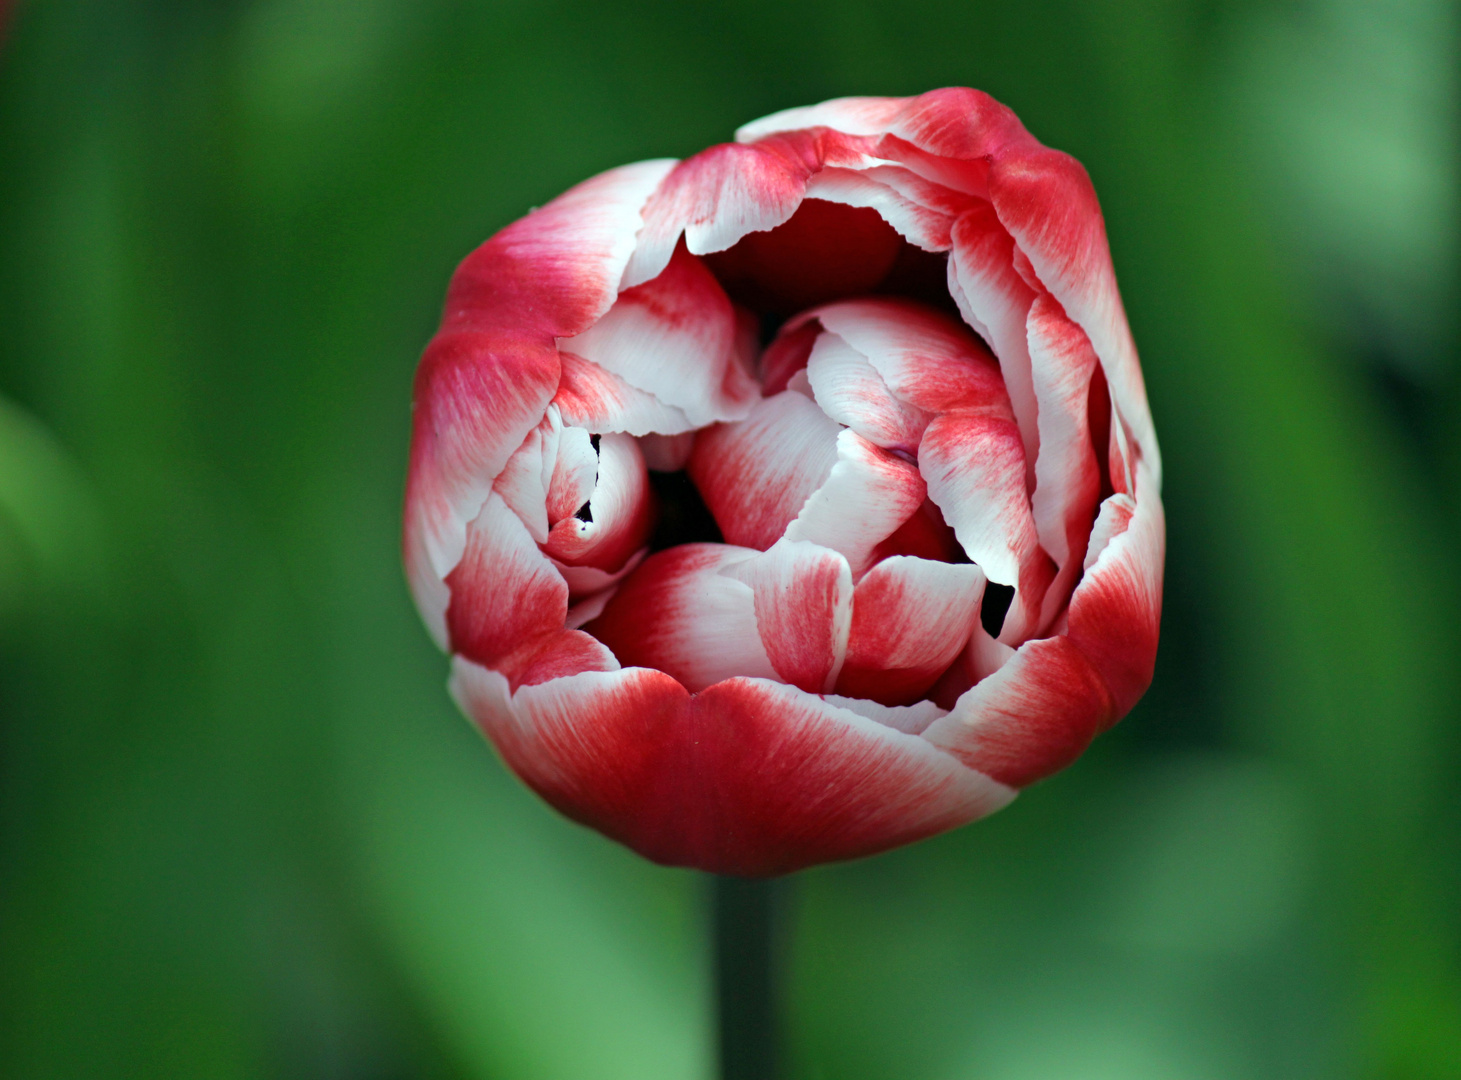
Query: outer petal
x=676 y=337
x=680 y=614
x=803 y=601
x=487 y=376
x=868 y=494
x=755 y=475
x=748 y=777
x=910 y=619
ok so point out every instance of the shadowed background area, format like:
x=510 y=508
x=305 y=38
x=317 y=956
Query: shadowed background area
x=244 y=832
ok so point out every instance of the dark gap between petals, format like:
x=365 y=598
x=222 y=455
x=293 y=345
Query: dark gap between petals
x=997 y=600
x=683 y=516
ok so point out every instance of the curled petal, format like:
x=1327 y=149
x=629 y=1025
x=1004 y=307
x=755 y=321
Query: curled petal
x=1032 y=717
x=803 y=602
x=715 y=198
x=508 y=604
x=617 y=515
x=756 y=474
x=477 y=397
x=910 y=619
x=975 y=469
x=1068 y=481
x=1116 y=611
x=676 y=337
x=680 y=614
x=996 y=301
x=528 y=475
x=748 y=777
x=597 y=400
x=920 y=224
x=866 y=497
x=926 y=358
x=575 y=472
x=850 y=390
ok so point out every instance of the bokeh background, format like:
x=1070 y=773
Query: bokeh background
x=244 y=833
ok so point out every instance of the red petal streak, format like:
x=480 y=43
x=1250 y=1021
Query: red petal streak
x=868 y=494
x=680 y=614
x=1032 y=717
x=620 y=510
x=748 y=777
x=918 y=223
x=1068 y=482
x=803 y=600
x=850 y=390
x=676 y=337
x=910 y=619
x=1116 y=612
x=755 y=475
x=597 y=400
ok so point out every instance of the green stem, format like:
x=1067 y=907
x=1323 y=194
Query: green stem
x=747 y=919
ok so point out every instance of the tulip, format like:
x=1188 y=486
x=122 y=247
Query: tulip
x=797 y=500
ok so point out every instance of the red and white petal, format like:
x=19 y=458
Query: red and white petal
x=477 y=396
x=921 y=225
x=585 y=581
x=867 y=496
x=992 y=297
x=715 y=198
x=1067 y=477
x=676 y=337
x=803 y=601
x=926 y=358
x=575 y=471
x=504 y=591
x=1045 y=200
x=749 y=777
x=597 y=400
x=526 y=478
x=678 y=613
x=850 y=390
x=1116 y=611
x=619 y=512
x=910 y=619
x=1032 y=717
x=755 y=475
x=975 y=469
x=909 y=719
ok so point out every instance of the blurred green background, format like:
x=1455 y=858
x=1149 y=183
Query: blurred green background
x=244 y=833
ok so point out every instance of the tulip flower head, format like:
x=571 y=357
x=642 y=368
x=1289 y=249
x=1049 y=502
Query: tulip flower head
x=797 y=500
